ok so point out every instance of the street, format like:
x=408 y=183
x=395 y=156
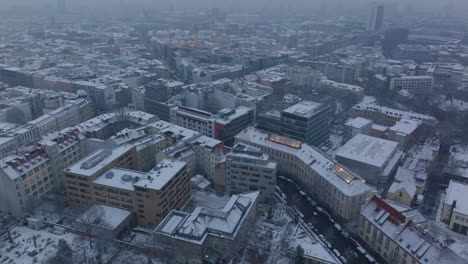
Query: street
x=321 y=222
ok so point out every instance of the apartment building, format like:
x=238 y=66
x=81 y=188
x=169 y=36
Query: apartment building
x=455 y=210
x=399 y=235
x=24 y=180
x=336 y=187
x=247 y=169
x=209 y=235
x=37 y=169
x=106 y=177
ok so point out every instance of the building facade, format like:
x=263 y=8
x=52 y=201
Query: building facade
x=337 y=188
x=248 y=169
x=307 y=121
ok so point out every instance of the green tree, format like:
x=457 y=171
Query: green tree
x=64 y=254
x=299 y=259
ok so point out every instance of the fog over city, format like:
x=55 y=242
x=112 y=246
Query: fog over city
x=234 y=131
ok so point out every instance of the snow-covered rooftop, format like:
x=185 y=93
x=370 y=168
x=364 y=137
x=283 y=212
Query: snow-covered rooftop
x=457 y=191
x=203 y=221
x=368 y=150
x=357 y=122
x=96 y=161
x=160 y=175
x=343 y=179
x=304 y=108
x=120 y=178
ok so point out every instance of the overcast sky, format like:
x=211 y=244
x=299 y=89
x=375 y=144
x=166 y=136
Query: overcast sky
x=245 y=5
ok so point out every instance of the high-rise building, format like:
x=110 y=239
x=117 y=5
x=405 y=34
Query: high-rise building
x=307 y=121
x=376 y=19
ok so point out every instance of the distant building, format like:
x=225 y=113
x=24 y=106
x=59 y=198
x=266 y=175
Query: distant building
x=399 y=235
x=307 y=121
x=455 y=208
x=413 y=84
x=417 y=53
x=381 y=115
x=373 y=158
x=223 y=126
x=248 y=168
x=376 y=18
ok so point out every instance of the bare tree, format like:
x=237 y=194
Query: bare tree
x=88 y=222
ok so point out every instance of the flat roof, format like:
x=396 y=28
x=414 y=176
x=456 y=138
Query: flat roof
x=346 y=181
x=357 y=122
x=303 y=108
x=369 y=150
x=160 y=175
x=458 y=191
x=91 y=164
x=120 y=178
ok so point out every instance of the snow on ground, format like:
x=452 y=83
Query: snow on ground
x=46 y=246
x=129 y=256
x=457 y=242
x=23 y=242
x=271 y=238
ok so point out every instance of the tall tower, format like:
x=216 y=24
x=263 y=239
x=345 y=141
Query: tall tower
x=61 y=5
x=376 y=18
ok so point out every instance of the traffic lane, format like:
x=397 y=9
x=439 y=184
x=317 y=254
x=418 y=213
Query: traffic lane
x=322 y=222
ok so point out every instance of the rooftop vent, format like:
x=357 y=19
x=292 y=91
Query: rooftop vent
x=109 y=175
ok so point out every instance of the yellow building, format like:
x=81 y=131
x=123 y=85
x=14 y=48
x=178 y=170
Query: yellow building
x=107 y=177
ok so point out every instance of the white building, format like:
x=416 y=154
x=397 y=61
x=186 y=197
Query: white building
x=455 y=207
x=336 y=187
x=355 y=126
x=247 y=169
x=373 y=158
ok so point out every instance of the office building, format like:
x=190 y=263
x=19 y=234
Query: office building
x=307 y=121
x=372 y=158
x=223 y=126
x=376 y=18
x=245 y=169
x=417 y=53
x=104 y=178
x=336 y=187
